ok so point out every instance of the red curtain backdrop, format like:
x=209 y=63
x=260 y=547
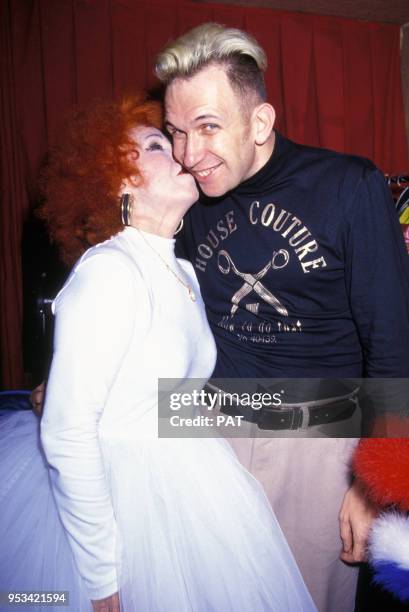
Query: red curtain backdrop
x=334 y=83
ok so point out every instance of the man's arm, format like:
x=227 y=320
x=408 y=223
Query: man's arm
x=377 y=280
x=355 y=520
x=377 y=276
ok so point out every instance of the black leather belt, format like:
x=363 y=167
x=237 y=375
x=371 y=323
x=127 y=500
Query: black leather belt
x=297 y=416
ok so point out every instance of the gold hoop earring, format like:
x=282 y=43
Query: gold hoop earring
x=179 y=227
x=126 y=208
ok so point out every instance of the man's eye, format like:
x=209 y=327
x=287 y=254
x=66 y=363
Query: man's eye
x=155 y=146
x=209 y=127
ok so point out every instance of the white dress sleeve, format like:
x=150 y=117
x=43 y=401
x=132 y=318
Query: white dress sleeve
x=95 y=318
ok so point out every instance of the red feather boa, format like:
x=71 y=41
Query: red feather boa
x=382 y=464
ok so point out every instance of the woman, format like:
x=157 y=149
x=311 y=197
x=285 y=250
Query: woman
x=139 y=523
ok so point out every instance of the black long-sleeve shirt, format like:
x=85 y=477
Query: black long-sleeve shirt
x=303 y=269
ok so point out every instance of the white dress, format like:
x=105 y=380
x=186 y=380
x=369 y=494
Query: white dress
x=175 y=525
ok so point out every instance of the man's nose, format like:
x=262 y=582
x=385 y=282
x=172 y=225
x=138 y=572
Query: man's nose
x=193 y=151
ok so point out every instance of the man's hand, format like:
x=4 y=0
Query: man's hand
x=108 y=604
x=37 y=398
x=355 y=519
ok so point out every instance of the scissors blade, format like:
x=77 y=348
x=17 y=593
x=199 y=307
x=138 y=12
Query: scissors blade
x=270 y=298
x=239 y=295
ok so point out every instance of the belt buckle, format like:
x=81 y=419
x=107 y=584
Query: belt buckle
x=300 y=418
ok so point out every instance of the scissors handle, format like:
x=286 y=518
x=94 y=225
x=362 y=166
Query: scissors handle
x=286 y=256
x=230 y=265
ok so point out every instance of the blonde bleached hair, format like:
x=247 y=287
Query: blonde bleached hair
x=213 y=44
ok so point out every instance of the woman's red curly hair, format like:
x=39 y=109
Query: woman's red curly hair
x=85 y=172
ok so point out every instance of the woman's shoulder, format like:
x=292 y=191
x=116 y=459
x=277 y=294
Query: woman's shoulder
x=111 y=252
x=107 y=264
x=110 y=257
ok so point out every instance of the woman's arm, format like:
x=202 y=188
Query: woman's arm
x=108 y=604
x=95 y=315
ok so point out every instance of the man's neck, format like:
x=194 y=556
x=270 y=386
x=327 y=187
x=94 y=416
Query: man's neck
x=264 y=152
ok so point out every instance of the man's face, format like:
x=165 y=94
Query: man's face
x=212 y=137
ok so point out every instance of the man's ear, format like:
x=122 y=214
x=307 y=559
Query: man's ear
x=263 y=120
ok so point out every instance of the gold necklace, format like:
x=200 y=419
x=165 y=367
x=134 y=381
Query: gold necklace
x=181 y=281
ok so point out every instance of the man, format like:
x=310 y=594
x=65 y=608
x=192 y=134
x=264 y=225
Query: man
x=303 y=273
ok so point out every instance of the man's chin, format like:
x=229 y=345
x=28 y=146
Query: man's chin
x=213 y=191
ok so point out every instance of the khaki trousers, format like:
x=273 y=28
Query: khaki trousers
x=305 y=480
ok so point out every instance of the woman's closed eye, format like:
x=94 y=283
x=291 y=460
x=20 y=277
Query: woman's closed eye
x=155 y=146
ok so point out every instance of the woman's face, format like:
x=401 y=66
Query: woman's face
x=165 y=184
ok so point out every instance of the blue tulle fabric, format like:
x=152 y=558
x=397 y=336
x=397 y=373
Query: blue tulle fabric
x=35 y=554
x=195 y=531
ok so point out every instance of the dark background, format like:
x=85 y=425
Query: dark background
x=334 y=82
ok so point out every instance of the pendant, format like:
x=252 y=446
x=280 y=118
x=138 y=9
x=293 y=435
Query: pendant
x=192 y=294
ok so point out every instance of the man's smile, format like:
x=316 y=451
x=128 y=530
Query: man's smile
x=203 y=174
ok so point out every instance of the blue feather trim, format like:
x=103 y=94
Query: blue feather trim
x=393 y=578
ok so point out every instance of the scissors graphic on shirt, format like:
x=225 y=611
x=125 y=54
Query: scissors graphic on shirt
x=252 y=281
